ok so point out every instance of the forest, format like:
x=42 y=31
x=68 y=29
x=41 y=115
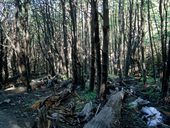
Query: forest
x=84 y=63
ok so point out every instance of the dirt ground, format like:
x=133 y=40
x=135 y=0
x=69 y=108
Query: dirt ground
x=15 y=108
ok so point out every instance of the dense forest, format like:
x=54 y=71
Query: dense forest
x=92 y=51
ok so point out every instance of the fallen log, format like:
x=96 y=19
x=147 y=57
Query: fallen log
x=86 y=111
x=109 y=116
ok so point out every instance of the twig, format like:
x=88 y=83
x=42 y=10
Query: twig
x=98 y=109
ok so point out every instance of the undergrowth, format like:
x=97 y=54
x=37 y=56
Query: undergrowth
x=85 y=97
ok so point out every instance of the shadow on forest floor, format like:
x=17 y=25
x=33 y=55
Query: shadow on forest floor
x=16 y=111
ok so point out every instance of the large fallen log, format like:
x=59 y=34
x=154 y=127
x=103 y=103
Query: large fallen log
x=109 y=116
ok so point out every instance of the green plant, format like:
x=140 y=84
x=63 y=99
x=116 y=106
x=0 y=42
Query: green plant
x=88 y=96
x=85 y=97
x=150 y=80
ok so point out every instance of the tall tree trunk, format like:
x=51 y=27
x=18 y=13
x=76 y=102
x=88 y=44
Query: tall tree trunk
x=92 y=66
x=121 y=29
x=97 y=42
x=86 y=40
x=22 y=49
x=150 y=39
x=163 y=48
x=142 y=41
x=75 y=69
x=26 y=44
x=65 y=37
x=105 y=58
x=129 y=49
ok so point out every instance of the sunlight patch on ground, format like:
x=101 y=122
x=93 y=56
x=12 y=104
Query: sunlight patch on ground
x=16 y=89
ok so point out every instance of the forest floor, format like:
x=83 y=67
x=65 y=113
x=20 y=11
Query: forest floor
x=16 y=111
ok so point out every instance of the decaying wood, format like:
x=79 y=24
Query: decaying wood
x=35 y=84
x=86 y=111
x=109 y=116
x=53 y=100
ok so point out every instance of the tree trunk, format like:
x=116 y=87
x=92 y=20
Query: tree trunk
x=92 y=66
x=6 y=62
x=105 y=58
x=1 y=55
x=164 y=47
x=97 y=42
x=121 y=29
x=142 y=42
x=168 y=67
x=26 y=44
x=22 y=49
x=75 y=67
x=65 y=37
x=129 y=49
x=150 y=39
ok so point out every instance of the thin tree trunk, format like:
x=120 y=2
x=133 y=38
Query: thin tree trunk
x=92 y=66
x=120 y=37
x=6 y=62
x=86 y=41
x=97 y=42
x=1 y=55
x=65 y=37
x=142 y=42
x=150 y=39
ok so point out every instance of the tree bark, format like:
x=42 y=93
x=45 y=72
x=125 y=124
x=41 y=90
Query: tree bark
x=142 y=41
x=93 y=45
x=109 y=116
x=105 y=58
x=163 y=48
x=129 y=49
x=6 y=62
x=75 y=69
x=65 y=36
x=1 y=54
x=97 y=42
x=151 y=44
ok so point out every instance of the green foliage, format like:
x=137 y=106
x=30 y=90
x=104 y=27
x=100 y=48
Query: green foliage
x=88 y=96
x=150 y=80
x=152 y=93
